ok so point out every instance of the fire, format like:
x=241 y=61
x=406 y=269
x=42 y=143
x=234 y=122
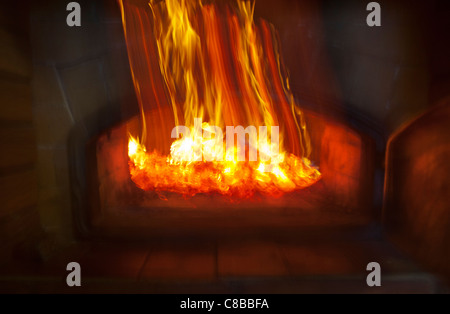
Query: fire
x=217 y=65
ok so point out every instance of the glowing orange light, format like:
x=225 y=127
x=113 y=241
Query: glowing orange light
x=217 y=64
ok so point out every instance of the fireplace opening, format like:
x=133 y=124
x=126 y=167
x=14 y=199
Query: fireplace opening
x=171 y=161
x=225 y=146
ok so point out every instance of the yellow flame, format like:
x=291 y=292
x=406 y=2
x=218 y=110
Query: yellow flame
x=217 y=64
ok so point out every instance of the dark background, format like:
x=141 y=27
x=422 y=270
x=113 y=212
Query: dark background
x=57 y=82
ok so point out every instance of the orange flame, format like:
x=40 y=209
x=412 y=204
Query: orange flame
x=218 y=65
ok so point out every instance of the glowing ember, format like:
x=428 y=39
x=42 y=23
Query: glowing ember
x=152 y=171
x=219 y=66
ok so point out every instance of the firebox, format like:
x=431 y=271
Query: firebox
x=171 y=161
x=225 y=146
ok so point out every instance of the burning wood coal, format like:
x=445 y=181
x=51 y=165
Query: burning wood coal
x=221 y=74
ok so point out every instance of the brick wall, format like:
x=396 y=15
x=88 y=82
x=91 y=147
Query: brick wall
x=81 y=81
x=416 y=209
x=19 y=220
x=378 y=74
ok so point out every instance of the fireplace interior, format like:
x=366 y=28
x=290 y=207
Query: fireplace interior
x=375 y=103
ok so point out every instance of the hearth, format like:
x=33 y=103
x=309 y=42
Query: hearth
x=225 y=147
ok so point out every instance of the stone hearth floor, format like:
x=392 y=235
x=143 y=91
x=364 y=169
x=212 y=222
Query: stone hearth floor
x=241 y=265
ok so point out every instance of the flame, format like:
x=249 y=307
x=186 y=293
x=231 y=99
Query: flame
x=217 y=65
